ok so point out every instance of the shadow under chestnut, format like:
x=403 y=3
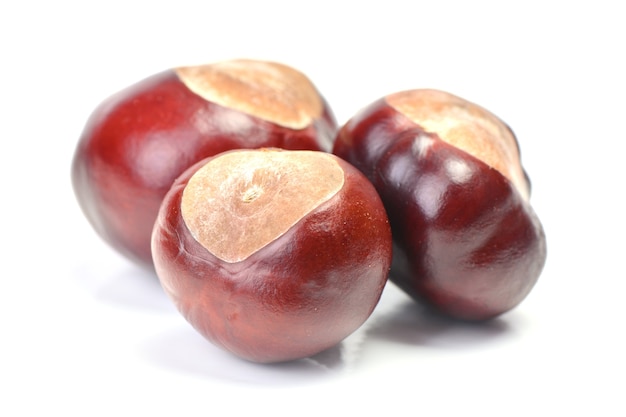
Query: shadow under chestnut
x=397 y=320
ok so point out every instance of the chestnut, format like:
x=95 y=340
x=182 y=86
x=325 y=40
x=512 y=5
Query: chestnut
x=466 y=239
x=139 y=140
x=273 y=254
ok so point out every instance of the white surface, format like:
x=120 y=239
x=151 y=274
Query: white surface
x=85 y=333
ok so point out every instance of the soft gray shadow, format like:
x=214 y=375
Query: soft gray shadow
x=413 y=324
x=124 y=285
x=181 y=349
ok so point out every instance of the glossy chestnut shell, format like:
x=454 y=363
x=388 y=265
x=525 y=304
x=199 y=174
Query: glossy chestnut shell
x=139 y=140
x=312 y=284
x=466 y=240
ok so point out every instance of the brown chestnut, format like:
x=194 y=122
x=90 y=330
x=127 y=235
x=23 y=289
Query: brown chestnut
x=273 y=254
x=139 y=140
x=466 y=239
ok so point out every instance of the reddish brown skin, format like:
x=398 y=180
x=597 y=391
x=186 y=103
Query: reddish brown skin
x=478 y=248
x=299 y=295
x=138 y=141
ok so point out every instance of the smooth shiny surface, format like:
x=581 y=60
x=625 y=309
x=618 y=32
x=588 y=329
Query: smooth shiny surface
x=296 y=296
x=467 y=242
x=138 y=141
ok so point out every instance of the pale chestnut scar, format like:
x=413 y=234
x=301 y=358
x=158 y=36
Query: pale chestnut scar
x=270 y=91
x=466 y=126
x=241 y=201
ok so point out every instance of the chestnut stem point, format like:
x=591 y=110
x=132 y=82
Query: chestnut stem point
x=270 y=91
x=466 y=126
x=243 y=200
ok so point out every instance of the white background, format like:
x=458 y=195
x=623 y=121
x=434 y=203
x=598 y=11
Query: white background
x=86 y=333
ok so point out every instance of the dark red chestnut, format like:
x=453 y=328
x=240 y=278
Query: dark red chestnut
x=138 y=141
x=466 y=240
x=273 y=254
